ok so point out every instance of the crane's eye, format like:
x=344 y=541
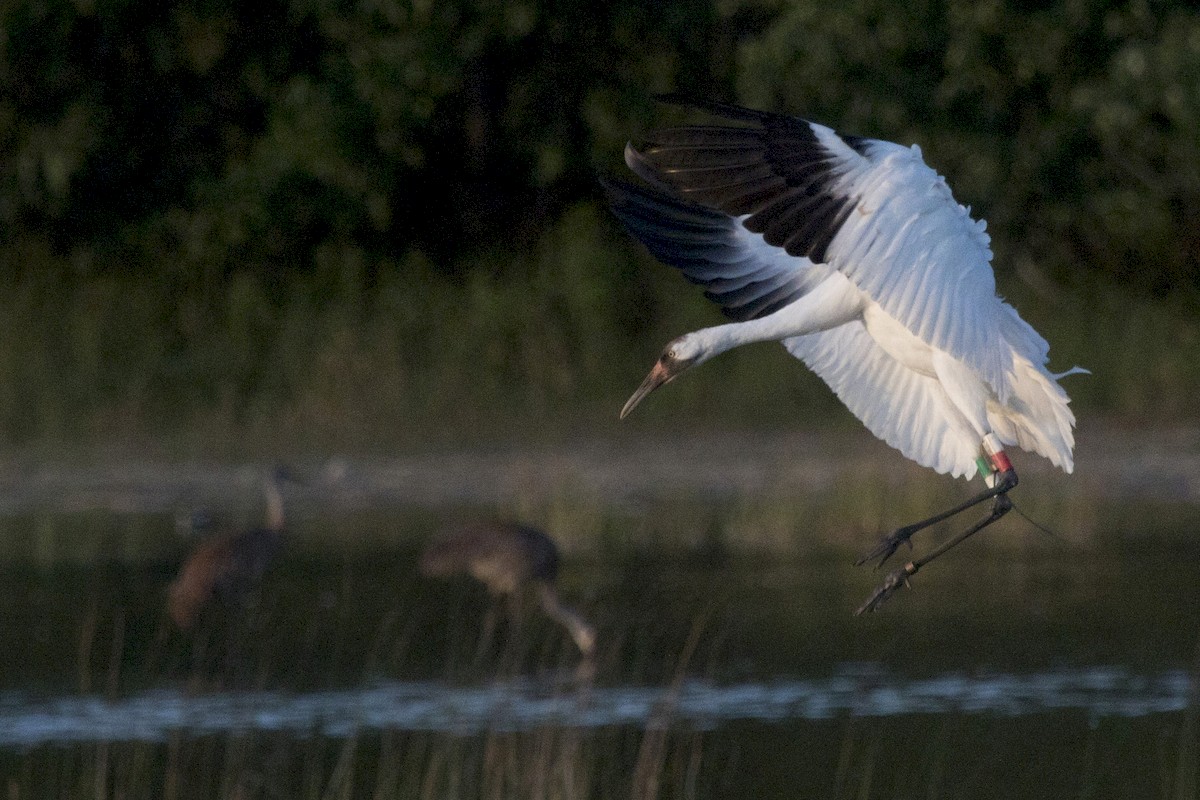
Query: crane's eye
x=670 y=355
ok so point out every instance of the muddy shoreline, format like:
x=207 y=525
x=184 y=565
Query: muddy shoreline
x=1159 y=465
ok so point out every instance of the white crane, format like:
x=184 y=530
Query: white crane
x=853 y=253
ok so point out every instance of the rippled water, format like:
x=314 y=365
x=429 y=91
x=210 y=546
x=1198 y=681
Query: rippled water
x=1025 y=667
x=858 y=690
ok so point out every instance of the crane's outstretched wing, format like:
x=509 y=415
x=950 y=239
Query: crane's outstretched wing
x=906 y=409
x=750 y=278
x=745 y=276
x=871 y=209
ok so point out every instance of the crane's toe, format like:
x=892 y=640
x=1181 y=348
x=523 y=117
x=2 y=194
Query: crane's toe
x=896 y=580
x=888 y=545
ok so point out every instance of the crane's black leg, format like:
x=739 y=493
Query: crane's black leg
x=887 y=546
x=898 y=578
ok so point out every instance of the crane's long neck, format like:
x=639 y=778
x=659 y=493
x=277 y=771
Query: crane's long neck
x=835 y=301
x=274 y=502
x=583 y=634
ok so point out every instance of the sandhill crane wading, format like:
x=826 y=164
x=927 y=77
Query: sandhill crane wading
x=507 y=557
x=852 y=253
x=228 y=566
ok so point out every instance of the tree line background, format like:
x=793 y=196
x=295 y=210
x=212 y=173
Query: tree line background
x=376 y=223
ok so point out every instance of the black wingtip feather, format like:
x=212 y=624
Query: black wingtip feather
x=820 y=243
x=746 y=303
x=698 y=241
x=767 y=119
x=819 y=226
x=624 y=195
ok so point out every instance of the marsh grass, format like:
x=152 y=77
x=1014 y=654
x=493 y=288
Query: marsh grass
x=787 y=517
x=236 y=651
x=662 y=617
x=293 y=637
x=550 y=345
x=864 y=759
x=550 y=763
x=664 y=580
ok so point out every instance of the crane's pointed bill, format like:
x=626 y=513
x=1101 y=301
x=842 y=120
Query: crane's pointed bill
x=659 y=375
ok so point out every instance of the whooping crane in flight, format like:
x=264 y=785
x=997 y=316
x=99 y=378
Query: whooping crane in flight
x=507 y=557
x=852 y=253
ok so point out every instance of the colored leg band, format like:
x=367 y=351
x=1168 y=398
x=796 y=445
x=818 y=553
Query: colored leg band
x=995 y=453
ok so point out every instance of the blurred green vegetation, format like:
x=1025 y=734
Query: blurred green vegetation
x=376 y=223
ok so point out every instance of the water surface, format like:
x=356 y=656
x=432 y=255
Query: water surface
x=1025 y=665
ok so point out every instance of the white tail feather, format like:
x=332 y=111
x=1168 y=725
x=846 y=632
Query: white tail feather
x=1037 y=417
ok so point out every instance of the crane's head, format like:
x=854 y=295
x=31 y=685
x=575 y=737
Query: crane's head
x=679 y=354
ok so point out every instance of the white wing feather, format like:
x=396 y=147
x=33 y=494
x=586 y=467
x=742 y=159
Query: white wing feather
x=796 y=193
x=909 y=411
x=914 y=250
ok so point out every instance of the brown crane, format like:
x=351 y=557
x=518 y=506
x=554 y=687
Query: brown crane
x=507 y=557
x=227 y=566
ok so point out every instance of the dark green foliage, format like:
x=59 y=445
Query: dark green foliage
x=1070 y=127
x=250 y=135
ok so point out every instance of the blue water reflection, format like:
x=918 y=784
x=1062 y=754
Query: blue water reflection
x=855 y=690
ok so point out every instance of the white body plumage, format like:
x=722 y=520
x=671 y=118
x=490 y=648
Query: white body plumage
x=854 y=254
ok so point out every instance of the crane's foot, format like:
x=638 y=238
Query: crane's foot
x=1001 y=505
x=889 y=544
x=1000 y=484
x=896 y=580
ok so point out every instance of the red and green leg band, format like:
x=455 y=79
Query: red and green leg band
x=993 y=460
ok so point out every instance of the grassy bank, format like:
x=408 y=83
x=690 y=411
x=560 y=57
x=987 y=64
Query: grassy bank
x=413 y=358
